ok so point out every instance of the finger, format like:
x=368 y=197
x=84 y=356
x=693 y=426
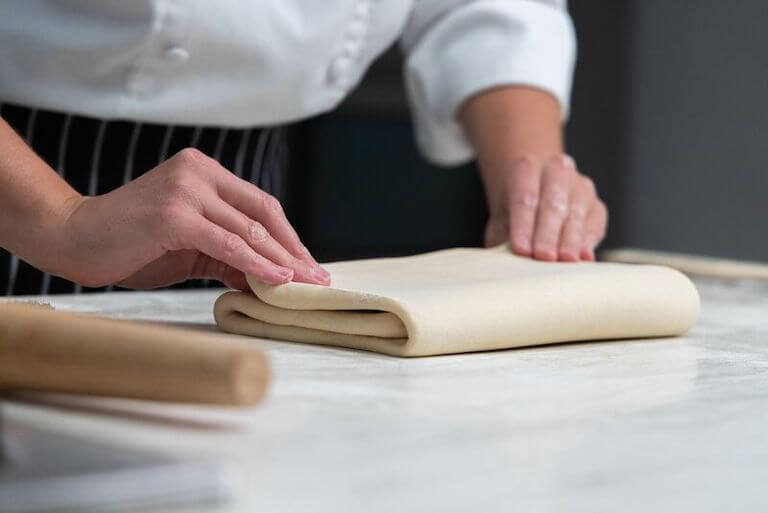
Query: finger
x=556 y=184
x=595 y=228
x=229 y=248
x=257 y=204
x=258 y=238
x=523 y=186
x=572 y=237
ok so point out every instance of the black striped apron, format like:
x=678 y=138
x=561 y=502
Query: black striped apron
x=96 y=156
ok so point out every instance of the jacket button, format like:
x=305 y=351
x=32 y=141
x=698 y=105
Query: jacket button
x=177 y=55
x=352 y=48
x=338 y=69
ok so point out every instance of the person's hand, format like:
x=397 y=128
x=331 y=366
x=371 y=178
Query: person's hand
x=548 y=211
x=187 y=218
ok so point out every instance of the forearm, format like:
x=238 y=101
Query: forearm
x=507 y=123
x=34 y=201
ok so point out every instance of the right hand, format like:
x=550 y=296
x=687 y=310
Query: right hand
x=187 y=218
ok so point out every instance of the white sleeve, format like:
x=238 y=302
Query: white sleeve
x=457 y=48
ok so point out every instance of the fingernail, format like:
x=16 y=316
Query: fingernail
x=567 y=160
x=548 y=255
x=320 y=274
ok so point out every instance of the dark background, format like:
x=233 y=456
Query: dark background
x=669 y=116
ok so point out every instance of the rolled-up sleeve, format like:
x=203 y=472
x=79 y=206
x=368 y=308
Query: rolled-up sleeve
x=457 y=48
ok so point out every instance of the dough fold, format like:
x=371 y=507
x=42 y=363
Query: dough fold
x=463 y=300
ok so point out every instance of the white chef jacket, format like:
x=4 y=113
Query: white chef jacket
x=253 y=63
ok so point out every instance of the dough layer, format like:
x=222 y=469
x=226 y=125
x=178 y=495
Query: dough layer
x=464 y=300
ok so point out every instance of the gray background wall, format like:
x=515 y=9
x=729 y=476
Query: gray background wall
x=697 y=127
x=670 y=116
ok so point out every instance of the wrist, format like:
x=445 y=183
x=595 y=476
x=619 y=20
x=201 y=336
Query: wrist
x=63 y=240
x=511 y=122
x=38 y=233
x=53 y=246
x=34 y=203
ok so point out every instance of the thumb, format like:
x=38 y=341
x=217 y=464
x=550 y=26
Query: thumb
x=210 y=268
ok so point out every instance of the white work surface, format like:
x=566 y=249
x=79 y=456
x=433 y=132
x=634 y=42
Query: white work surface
x=647 y=425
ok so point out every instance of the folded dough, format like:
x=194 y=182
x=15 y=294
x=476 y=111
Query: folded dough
x=463 y=300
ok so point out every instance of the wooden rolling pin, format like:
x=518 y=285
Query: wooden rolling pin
x=43 y=349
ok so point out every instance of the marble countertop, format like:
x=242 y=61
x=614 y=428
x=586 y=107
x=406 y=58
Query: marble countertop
x=643 y=425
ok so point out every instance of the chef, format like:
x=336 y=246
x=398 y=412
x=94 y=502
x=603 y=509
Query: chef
x=140 y=142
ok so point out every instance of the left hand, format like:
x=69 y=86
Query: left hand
x=548 y=210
